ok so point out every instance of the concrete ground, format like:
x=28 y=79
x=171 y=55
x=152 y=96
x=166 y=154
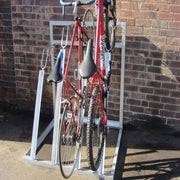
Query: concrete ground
x=144 y=153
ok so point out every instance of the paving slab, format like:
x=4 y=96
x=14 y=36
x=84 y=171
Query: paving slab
x=144 y=154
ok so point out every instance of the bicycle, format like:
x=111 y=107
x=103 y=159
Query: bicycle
x=93 y=86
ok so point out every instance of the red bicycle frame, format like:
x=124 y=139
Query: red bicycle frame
x=66 y=82
x=98 y=77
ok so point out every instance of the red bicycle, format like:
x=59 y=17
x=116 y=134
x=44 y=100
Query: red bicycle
x=88 y=87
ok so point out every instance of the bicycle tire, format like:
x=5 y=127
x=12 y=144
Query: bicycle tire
x=88 y=19
x=68 y=143
x=110 y=32
x=95 y=131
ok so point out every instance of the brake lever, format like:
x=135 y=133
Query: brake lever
x=75 y=7
x=63 y=10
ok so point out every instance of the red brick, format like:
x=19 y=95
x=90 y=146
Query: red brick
x=171 y=107
x=175 y=9
x=153 y=98
x=151 y=31
x=5 y=3
x=173 y=41
x=153 y=69
x=28 y=2
x=129 y=21
x=138 y=68
x=169 y=86
x=148 y=46
x=133 y=102
x=152 y=111
x=175 y=94
x=164 y=16
x=29 y=16
x=124 y=14
x=162 y=7
x=16 y=2
x=26 y=9
x=168 y=100
x=144 y=15
x=138 y=95
x=168 y=32
x=143 y=22
x=156 y=105
x=137 y=60
x=159 y=23
x=146 y=90
x=42 y=2
x=145 y=6
x=17 y=15
x=167 y=113
x=131 y=88
x=129 y=5
x=156 y=55
x=176 y=17
x=158 y=39
x=161 y=92
x=154 y=84
x=137 y=109
x=144 y=103
x=174 y=25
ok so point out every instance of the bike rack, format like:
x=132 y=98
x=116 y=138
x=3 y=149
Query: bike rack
x=30 y=157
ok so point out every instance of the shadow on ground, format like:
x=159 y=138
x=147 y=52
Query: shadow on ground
x=144 y=153
x=148 y=153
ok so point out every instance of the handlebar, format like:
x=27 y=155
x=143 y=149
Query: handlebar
x=75 y=4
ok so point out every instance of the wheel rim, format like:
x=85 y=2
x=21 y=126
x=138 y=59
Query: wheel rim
x=68 y=144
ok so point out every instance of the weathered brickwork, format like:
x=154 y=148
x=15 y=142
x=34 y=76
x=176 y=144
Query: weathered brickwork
x=7 y=70
x=152 y=68
x=152 y=59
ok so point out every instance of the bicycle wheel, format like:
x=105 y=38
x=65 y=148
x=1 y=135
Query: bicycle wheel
x=109 y=31
x=69 y=142
x=95 y=131
x=89 y=27
x=88 y=24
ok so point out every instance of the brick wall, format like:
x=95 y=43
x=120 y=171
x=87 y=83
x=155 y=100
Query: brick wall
x=152 y=59
x=152 y=71
x=7 y=71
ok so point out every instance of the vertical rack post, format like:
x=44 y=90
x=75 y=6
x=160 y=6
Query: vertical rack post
x=37 y=114
x=123 y=44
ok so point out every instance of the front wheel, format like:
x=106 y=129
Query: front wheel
x=69 y=138
x=95 y=130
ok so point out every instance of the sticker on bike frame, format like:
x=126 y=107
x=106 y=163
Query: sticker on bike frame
x=69 y=115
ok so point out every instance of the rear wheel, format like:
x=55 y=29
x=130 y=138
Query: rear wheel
x=69 y=139
x=95 y=131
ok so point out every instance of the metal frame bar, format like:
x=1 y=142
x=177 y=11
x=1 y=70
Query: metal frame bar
x=36 y=142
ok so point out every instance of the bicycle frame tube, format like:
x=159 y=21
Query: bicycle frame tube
x=100 y=38
x=66 y=83
x=100 y=46
x=80 y=31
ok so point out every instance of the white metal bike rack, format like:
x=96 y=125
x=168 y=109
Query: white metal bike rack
x=37 y=141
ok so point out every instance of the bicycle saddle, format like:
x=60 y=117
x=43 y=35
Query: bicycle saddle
x=87 y=67
x=56 y=72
